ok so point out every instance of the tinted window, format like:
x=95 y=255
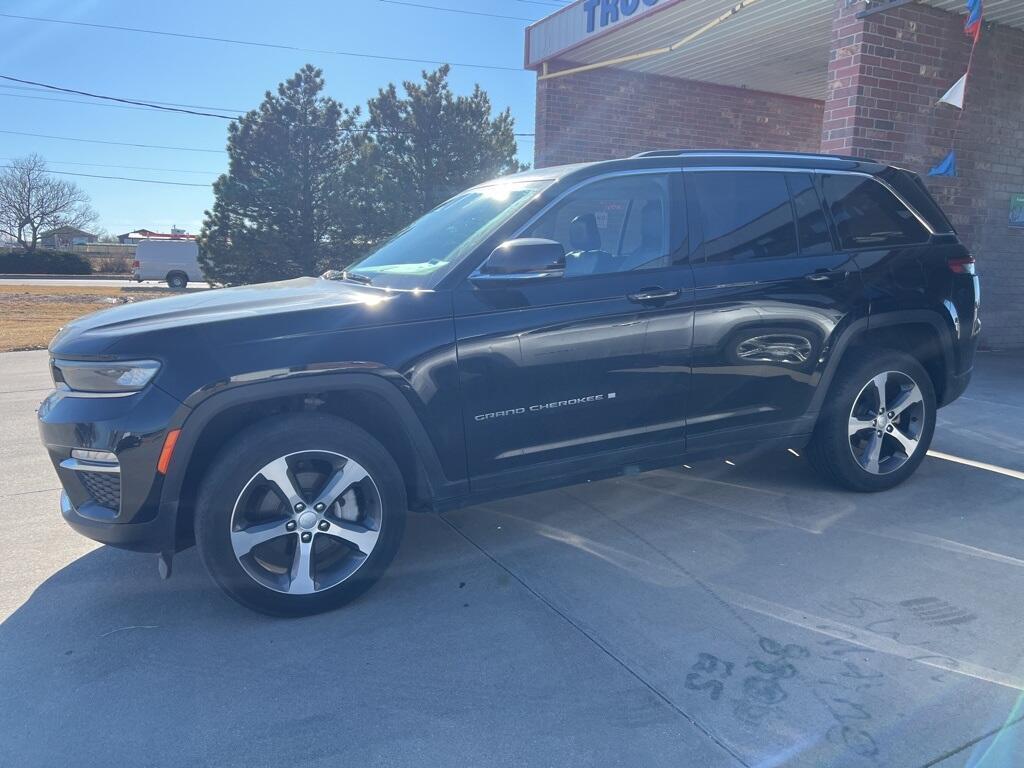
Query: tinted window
x=746 y=215
x=425 y=251
x=867 y=215
x=912 y=189
x=615 y=225
x=811 y=224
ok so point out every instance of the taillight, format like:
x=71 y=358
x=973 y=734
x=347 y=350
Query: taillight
x=135 y=264
x=963 y=265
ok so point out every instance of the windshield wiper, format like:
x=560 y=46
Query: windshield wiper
x=355 y=277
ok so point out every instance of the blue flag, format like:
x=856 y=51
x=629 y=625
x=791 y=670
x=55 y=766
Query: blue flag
x=946 y=168
x=975 y=15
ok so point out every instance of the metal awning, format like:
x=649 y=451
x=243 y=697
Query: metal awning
x=1008 y=12
x=781 y=46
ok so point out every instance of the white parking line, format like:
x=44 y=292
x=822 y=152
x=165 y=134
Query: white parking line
x=978 y=465
x=927 y=540
x=867 y=639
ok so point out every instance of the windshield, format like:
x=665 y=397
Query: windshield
x=425 y=251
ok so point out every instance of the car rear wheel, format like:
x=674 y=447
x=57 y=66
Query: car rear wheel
x=300 y=516
x=877 y=423
x=177 y=280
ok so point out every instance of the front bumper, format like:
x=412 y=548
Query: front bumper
x=956 y=385
x=155 y=535
x=120 y=508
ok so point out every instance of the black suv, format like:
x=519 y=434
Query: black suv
x=542 y=329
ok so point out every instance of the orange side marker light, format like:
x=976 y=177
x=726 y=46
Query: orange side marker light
x=168 y=450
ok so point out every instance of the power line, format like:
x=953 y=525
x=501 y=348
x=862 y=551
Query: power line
x=540 y=2
x=255 y=43
x=72 y=101
x=92 y=103
x=153 y=105
x=118 y=99
x=160 y=146
x=124 y=178
x=127 y=178
x=112 y=143
x=129 y=167
x=455 y=10
x=233 y=110
x=123 y=103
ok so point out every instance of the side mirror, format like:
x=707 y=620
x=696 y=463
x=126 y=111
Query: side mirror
x=528 y=258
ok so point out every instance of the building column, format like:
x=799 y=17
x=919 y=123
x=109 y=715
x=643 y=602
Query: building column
x=886 y=75
x=886 y=72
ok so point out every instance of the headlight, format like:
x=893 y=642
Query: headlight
x=103 y=378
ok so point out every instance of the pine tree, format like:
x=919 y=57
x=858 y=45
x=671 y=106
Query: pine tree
x=281 y=210
x=309 y=188
x=424 y=147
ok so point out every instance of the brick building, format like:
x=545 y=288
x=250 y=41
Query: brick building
x=839 y=76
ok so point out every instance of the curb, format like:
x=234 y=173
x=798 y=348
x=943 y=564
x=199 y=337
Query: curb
x=126 y=278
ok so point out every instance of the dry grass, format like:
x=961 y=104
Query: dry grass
x=30 y=315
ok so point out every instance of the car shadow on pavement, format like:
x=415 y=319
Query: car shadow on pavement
x=105 y=660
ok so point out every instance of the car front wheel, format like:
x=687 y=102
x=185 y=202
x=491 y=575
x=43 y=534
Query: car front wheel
x=300 y=515
x=877 y=423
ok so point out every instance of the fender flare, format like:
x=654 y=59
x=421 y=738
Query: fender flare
x=193 y=421
x=863 y=325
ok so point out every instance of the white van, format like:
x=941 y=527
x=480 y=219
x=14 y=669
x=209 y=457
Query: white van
x=175 y=261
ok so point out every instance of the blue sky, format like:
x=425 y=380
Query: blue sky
x=220 y=75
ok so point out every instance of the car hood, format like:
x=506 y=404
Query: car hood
x=88 y=334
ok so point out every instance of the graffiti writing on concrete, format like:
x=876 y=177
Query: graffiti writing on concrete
x=757 y=689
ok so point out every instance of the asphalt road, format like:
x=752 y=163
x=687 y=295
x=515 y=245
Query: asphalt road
x=744 y=615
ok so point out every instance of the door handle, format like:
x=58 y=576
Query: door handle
x=653 y=295
x=822 y=275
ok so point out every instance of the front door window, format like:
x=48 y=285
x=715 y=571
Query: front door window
x=616 y=225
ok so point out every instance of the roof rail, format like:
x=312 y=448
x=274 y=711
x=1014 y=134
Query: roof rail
x=747 y=153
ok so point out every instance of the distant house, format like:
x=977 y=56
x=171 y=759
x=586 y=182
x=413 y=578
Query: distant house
x=133 y=238
x=65 y=237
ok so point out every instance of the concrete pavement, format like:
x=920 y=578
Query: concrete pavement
x=713 y=616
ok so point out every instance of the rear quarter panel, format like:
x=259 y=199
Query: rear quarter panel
x=912 y=280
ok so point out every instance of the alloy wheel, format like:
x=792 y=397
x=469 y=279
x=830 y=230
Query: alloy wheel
x=306 y=522
x=886 y=422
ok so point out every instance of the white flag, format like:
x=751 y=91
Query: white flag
x=955 y=95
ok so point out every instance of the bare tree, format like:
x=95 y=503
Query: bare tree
x=32 y=202
x=103 y=236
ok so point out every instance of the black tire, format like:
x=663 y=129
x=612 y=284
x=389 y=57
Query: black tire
x=177 y=280
x=250 y=452
x=831 y=452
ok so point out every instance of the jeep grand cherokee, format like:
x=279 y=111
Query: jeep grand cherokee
x=542 y=329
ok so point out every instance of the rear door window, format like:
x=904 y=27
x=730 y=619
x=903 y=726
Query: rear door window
x=867 y=215
x=746 y=215
x=912 y=189
x=811 y=223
